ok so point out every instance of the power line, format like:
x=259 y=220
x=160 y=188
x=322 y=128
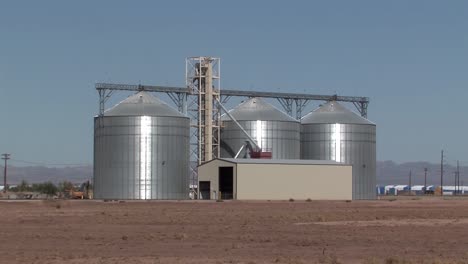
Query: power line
x=49 y=164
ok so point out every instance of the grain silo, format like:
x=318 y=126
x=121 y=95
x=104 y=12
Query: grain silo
x=141 y=151
x=333 y=132
x=272 y=129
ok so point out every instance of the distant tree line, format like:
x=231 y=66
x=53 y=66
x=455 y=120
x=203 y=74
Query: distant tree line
x=48 y=187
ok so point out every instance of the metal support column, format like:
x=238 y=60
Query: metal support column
x=287 y=104
x=362 y=107
x=180 y=100
x=225 y=98
x=300 y=105
x=104 y=95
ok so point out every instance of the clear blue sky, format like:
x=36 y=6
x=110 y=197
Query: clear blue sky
x=409 y=57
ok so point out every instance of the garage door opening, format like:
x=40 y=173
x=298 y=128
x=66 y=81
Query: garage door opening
x=225 y=175
x=205 y=191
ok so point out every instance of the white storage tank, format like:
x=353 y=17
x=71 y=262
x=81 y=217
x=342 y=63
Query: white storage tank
x=141 y=151
x=272 y=129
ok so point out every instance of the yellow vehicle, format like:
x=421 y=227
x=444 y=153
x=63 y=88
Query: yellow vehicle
x=82 y=192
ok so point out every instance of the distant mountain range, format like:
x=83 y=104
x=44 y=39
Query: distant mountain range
x=37 y=174
x=388 y=172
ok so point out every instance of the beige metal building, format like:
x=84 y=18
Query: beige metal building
x=269 y=179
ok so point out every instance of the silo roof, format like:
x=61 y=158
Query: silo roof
x=334 y=113
x=257 y=109
x=142 y=104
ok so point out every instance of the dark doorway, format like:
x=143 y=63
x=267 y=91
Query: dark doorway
x=226 y=182
x=205 y=191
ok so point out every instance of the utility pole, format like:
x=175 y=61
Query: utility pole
x=410 y=182
x=425 y=180
x=5 y=157
x=442 y=173
x=457 y=180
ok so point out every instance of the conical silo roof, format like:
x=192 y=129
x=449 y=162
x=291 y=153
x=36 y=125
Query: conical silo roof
x=142 y=104
x=334 y=113
x=257 y=109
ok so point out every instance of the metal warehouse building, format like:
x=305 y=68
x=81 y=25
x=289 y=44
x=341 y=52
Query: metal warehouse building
x=270 y=179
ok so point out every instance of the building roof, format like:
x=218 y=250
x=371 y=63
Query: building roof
x=142 y=104
x=280 y=161
x=334 y=113
x=257 y=109
x=417 y=187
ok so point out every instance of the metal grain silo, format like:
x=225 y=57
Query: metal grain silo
x=333 y=132
x=272 y=129
x=141 y=151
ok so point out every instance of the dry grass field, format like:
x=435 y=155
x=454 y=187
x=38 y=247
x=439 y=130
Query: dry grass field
x=386 y=231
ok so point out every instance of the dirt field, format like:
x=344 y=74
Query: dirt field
x=415 y=231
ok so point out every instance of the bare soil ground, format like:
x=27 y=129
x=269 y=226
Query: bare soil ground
x=401 y=231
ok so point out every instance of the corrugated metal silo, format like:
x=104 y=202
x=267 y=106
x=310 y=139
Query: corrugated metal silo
x=141 y=151
x=333 y=132
x=273 y=130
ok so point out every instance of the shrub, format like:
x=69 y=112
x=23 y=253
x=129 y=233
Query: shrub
x=65 y=186
x=24 y=187
x=46 y=188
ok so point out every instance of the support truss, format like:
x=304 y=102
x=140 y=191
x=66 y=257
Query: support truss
x=361 y=103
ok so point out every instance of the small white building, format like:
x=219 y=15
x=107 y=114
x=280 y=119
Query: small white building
x=450 y=190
